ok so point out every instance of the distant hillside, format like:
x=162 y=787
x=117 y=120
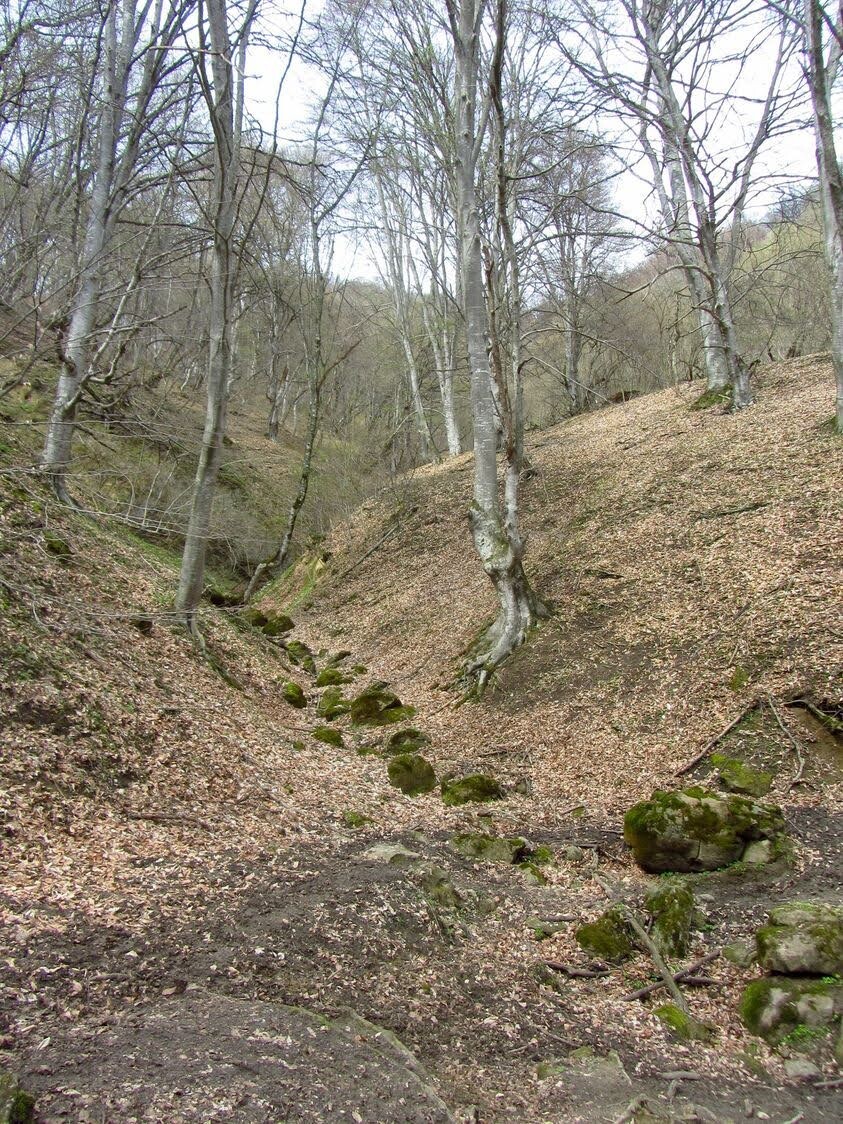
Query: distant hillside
x=692 y=559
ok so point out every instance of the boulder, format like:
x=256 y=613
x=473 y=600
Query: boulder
x=411 y=773
x=610 y=937
x=802 y=939
x=378 y=706
x=476 y=788
x=492 y=848
x=332 y=704
x=778 y=1007
x=331 y=677
x=328 y=736
x=293 y=694
x=16 y=1106
x=696 y=829
x=406 y=741
x=299 y=654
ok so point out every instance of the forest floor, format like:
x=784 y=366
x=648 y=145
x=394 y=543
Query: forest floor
x=194 y=929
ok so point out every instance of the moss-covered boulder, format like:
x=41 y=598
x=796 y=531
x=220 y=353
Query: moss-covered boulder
x=327 y=735
x=776 y=1006
x=411 y=773
x=510 y=849
x=293 y=694
x=332 y=705
x=299 y=654
x=696 y=829
x=16 y=1106
x=737 y=776
x=409 y=740
x=475 y=788
x=543 y=929
x=331 y=677
x=378 y=706
x=438 y=887
x=270 y=624
x=681 y=1025
x=610 y=937
x=802 y=938
x=671 y=906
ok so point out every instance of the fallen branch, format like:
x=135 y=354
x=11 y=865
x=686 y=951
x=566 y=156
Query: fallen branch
x=797 y=748
x=370 y=552
x=657 y=958
x=576 y=973
x=719 y=513
x=680 y=977
x=719 y=737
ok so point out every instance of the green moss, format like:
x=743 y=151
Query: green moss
x=330 y=677
x=378 y=706
x=774 y=1006
x=710 y=398
x=609 y=937
x=736 y=776
x=406 y=741
x=355 y=819
x=299 y=654
x=411 y=773
x=682 y=1025
x=491 y=848
x=328 y=735
x=16 y=1106
x=293 y=694
x=476 y=788
x=541 y=855
x=332 y=705
x=57 y=546
x=671 y=905
x=542 y=930
x=739 y=679
x=802 y=938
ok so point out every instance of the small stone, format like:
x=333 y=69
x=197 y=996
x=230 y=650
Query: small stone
x=739 y=953
x=277 y=624
x=355 y=819
x=299 y=654
x=328 y=736
x=412 y=774
x=438 y=886
x=800 y=1069
x=393 y=853
x=736 y=776
x=476 y=788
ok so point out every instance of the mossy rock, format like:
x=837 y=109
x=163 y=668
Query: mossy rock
x=695 y=829
x=331 y=677
x=271 y=624
x=542 y=930
x=336 y=658
x=332 y=705
x=491 y=848
x=299 y=654
x=293 y=694
x=534 y=874
x=406 y=741
x=438 y=887
x=16 y=1106
x=736 y=776
x=671 y=906
x=710 y=398
x=327 y=735
x=476 y=788
x=682 y=1025
x=802 y=938
x=355 y=819
x=411 y=773
x=773 y=1007
x=610 y=937
x=378 y=706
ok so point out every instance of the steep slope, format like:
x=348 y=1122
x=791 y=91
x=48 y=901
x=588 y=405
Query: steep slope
x=693 y=562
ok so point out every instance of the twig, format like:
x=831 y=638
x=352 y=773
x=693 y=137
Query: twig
x=576 y=973
x=681 y=1075
x=369 y=552
x=666 y=974
x=679 y=977
x=719 y=737
x=631 y=1109
x=797 y=749
x=834 y=1083
x=738 y=510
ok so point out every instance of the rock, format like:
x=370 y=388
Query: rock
x=802 y=938
x=436 y=883
x=332 y=705
x=330 y=677
x=695 y=829
x=609 y=937
x=476 y=788
x=393 y=853
x=800 y=1069
x=533 y=874
x=277 y=624
x=378 y=706
x=775 y=1006
x=300 y=655
x=293 y=694
x=737 y=776
x=328 y=736
x=411 y=773
x=682 y=1025
x=406 y=741
x=671 y=905
x=739 y=953
x=491 y=848
x=542 y=930
x=16 y=1106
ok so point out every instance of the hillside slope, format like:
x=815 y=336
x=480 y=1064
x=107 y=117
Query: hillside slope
x=209 y=914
